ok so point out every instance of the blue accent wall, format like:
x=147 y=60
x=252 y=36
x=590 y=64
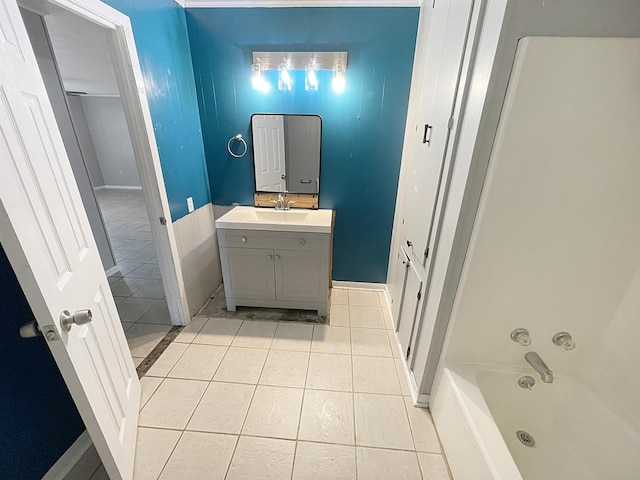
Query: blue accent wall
x=160 y=32
x=39 y=420
x=363 y=128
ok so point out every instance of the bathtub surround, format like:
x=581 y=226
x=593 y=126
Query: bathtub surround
x=160 y=32
x=567 y=260
x=363 y=127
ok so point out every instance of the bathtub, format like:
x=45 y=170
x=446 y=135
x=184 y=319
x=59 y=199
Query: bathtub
x=478 y=412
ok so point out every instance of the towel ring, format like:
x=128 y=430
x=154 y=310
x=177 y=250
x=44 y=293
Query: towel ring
x=239 y=138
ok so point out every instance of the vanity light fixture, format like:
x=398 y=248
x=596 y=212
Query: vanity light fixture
x=257 y=78
x=338 y=82
x=310 y=62
x=284 y=76
x=311 y=77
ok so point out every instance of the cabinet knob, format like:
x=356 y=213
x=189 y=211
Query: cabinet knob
x=270 y=257
x=244 y=239
x=302 y=241
x=277 y=257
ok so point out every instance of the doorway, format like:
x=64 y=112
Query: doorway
x=79 y=67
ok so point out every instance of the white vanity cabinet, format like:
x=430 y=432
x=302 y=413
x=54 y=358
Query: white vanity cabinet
x=279 y=269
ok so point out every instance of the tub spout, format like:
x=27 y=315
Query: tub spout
x=539 y=366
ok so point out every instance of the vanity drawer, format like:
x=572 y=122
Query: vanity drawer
x=276 y=240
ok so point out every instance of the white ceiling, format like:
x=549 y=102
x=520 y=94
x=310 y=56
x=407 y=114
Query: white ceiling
x=82 y=53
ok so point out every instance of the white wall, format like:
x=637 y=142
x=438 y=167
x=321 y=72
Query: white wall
x=84 y=139
x=555 y=243
x=110 y=134
x=198 y=249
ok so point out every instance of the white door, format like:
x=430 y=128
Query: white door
x=411 y=300
x=46 y=235
x=268 y=145
x=443 y=58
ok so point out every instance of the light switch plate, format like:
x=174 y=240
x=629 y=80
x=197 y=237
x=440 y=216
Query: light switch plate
x=190 y=204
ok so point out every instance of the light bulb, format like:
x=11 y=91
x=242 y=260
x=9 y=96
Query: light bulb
x=284 y=77
x=338 y=82
x=311 y=78
x=258 y=81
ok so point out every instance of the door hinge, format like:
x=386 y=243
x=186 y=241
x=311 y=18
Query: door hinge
x=408 y=351
x=450 y=124
x=419 y=295
x=426 y=253
x=163 y=220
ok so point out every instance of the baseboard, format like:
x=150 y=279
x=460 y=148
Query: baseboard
x=387 y=298
x=359 y=285
x=118 y=187
x=70 y=458
x=112 y=270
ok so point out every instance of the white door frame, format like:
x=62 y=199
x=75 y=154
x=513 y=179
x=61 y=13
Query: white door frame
x=131 y=84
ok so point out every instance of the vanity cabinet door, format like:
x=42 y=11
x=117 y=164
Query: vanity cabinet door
x=301 y=276
x=248 y=273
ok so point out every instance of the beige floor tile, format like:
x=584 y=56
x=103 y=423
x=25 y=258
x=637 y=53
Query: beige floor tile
x=223 y=408
x=172 y=404
x=381 y=421
x=274 y=412
x=127 y=325
x=402 y=377
x=433 y=467
x=375 y=375
x=167 y=360
x=292 y=336
x=137 y=361
x=327 y=417
x=200 y=455
x=255 y=334
x=422 y=427
x=199 y=362
x=371 y=342
x=331 y=339
x=285 y=369
x=241 y=365
x=380 y=464
x=388 y=319
x=339 y=316
x=329 y=371
x=143 y=337
x=124 y=287
x=339 y=296
x=189 y=332
x=149 y=386
x=317 y=461
x=366 y=317
x=367 y=298
x=262 y=458
x=153 y=448
x=218 y=331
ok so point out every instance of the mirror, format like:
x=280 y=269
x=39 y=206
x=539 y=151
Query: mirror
x=286 y=153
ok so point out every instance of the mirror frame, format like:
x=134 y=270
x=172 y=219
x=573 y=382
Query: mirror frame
x=253 y=157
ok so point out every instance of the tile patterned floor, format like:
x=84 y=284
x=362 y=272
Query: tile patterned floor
x=252 y=400
x=137 y=287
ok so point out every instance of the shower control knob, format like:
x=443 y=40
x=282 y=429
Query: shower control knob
x=564 y=340
x=521 y=336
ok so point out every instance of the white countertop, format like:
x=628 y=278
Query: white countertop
x=270 y=219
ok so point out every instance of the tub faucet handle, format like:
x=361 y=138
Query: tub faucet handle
x=521 y=336
x=564 y=340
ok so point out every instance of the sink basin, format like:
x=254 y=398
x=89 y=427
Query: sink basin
x=282 y=216
x=298 y=220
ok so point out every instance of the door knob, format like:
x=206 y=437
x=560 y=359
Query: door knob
x=81 y=317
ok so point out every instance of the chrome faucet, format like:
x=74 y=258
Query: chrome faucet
x=280 y=205
x=539 y=366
